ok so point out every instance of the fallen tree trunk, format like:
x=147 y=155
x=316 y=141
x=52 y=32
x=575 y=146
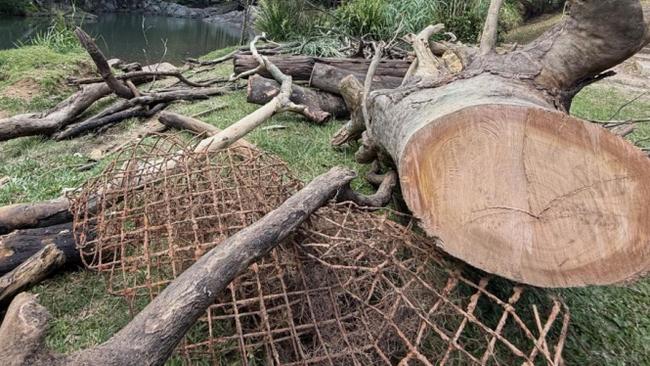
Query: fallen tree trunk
x=151 y=337
x=32 y=215
x=301 y=67
x=328 y=78
x=261 y=90
x=492 y=164
x=17 y=247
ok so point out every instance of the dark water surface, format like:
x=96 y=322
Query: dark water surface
x=134 y=37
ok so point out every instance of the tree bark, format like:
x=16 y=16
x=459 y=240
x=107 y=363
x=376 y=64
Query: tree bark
x=261 y=90
x=151 y=337
x=301 y=67
x=33 y=215
x=328 y=78
x=491 y=163
x=31 y=272
x=17 y=247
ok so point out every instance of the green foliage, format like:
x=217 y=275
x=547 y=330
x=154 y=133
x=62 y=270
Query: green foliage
x=59 y=36
x=16 y=7
x=285 y=19
x=380 y=19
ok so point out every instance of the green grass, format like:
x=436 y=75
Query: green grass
x=533 y=29
x=610 y=326
x=41 y=67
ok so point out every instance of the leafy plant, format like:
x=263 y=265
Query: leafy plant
x=286 y=19
x=59 y=36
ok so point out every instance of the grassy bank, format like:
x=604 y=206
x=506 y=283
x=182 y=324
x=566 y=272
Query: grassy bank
x=610 y=325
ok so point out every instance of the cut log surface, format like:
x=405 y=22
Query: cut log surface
x=301 y=67
x=516 y=188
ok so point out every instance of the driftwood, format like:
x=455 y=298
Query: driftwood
x=20 y=245
x=31 y=272
x=328 y=78
x=491 y=162
x=151 y=337
x=301 y=67
x=261 y=90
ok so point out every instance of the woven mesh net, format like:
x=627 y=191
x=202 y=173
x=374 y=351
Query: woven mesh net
x=350 y=287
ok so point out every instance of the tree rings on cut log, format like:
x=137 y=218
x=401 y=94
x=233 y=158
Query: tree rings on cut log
x=531 y=194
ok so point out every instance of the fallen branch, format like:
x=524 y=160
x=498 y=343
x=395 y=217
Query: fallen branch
x=151 y=337
x=20 y=245
x=148 y=74
x=31 y=272
x=94 y=123
x=319 y=104
x=180 y=122
x=120 y=89
x=279 y=103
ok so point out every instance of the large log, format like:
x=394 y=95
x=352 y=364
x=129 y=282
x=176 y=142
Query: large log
x=492 y=164
x=17 y=247
x=151 y=337
x=32 y=215
x=328 y=78
x=301 y=67
x=261 y=90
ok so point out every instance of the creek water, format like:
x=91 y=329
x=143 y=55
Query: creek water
x=134 y=37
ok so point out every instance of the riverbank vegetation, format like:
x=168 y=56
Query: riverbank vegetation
x=610 y=326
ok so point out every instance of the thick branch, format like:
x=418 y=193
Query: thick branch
x=20 y=245
x=180 y=122
x=31 y=272
x=320 y=105
x=426 y=64
x=279 y=103
x=102 y=65
x=352 y=92
x=379 y=199
x=595 y=36
x=491 y=27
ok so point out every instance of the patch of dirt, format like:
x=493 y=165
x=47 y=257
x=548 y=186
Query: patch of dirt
x=4 y=114
x=25 y=89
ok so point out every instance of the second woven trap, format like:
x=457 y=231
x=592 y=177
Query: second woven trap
x=349 y=288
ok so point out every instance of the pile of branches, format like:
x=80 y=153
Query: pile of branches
x=69 y=119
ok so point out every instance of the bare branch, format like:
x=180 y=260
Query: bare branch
x=491 y=27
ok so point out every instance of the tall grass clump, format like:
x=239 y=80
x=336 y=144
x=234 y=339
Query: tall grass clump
x=59 y=36
x=285 y=19
x=379 y=19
